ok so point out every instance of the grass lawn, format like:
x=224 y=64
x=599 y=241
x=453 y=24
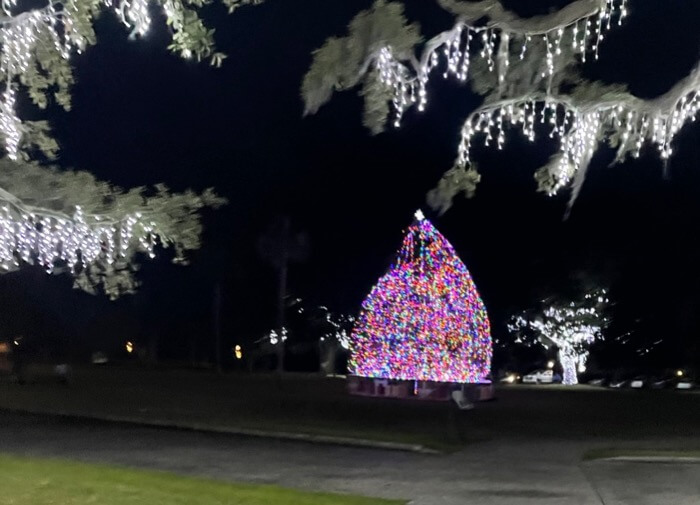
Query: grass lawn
x=315 y=405
x=51 y=482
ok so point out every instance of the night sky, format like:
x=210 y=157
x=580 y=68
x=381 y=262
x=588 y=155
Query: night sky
x=143 y=116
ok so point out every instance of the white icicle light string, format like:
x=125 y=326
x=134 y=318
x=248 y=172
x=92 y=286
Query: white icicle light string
x=46 y=238
x=457 y=47
x=20 y=34
x=581 y=128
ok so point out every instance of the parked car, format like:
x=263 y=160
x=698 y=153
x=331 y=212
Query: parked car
x=539 y=377
x=638 y=382
x=32 y=363
x=600 y=382
x=99 y=358
x=42 y=372
x=663 y=383
x=685 y=384
x=617 y=383
x=510 y=378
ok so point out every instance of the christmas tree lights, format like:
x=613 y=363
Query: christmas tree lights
x=424 y=320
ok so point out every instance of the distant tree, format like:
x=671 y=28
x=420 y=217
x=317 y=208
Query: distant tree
x=570 y=325
x=280 y=246
x=332 y=330
x=312 y=329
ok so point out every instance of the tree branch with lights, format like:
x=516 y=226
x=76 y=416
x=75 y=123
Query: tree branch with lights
x=526 y=69
x=71 y=222
x=36 y=45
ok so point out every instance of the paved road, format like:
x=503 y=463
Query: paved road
x=503 y=473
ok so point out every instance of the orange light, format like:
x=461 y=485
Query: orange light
x=238 y=352
x=129 y=347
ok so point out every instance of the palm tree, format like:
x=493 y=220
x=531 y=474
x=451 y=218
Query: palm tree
x=280 y=245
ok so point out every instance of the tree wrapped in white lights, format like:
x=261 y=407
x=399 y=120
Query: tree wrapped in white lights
x=525 y=68
x=572 y=327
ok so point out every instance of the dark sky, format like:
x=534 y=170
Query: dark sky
x=143 y=116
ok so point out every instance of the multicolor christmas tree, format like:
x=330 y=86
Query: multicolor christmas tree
x=424 y=320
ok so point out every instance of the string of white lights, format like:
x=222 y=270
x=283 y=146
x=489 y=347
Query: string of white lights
x=453 y=52
x=65 y=27
x=48 y=238
x=55 y=24
x=581 y=127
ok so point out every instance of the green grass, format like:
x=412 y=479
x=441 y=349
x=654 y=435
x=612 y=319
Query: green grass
x=596 y=454
x=315 y=405
x=28 y=481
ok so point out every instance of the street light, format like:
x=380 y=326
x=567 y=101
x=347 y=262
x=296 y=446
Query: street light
x=550 y=364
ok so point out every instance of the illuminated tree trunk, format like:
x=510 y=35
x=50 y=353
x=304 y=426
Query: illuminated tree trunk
x=568 y=363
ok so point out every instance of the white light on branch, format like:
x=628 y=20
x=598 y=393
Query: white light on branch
x=77 y=241
x=580 y=129
x=492 y=44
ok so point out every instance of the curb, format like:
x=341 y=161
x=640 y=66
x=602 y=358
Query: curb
x=654 y=459
x=227 y=430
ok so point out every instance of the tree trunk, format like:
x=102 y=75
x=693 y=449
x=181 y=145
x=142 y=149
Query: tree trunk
x=193 y=349
x=153 y=348
x=217 y=326
x=568 y=364
x=281 y=296
x=328 y=355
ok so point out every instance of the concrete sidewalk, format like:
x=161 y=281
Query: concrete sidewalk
x=490 y=473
